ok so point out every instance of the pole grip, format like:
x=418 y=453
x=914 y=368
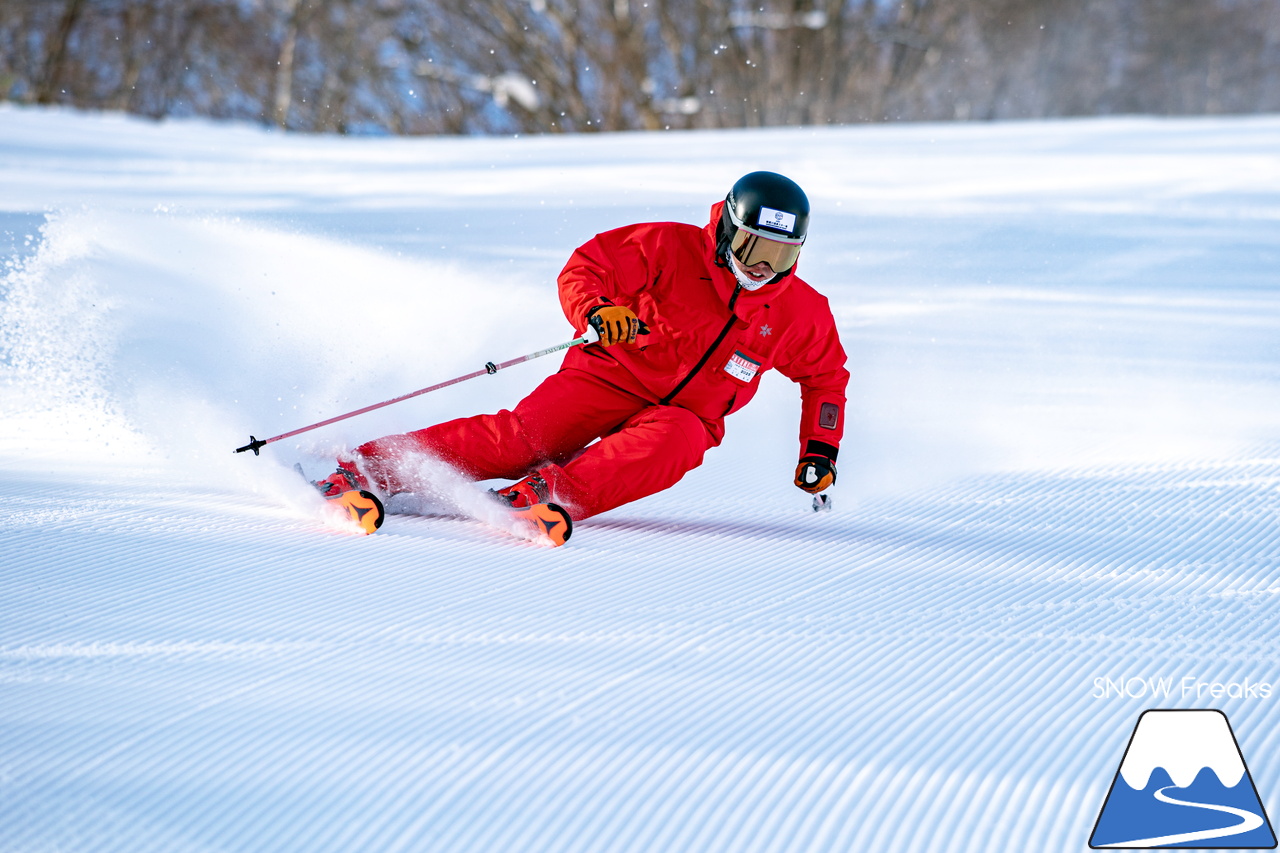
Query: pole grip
x=592 y=336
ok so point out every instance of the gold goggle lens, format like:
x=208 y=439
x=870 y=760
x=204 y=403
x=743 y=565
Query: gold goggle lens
x=751 y=249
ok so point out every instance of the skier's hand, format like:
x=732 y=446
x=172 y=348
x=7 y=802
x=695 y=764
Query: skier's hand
x=614 y=324
x=815 y=473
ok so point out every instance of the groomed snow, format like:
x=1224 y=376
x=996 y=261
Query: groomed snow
x=1060 y=483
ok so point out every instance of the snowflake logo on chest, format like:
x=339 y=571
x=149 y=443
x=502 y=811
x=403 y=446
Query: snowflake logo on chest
x=765 y=331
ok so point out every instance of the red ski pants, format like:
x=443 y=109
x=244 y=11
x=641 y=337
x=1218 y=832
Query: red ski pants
x=643 y=447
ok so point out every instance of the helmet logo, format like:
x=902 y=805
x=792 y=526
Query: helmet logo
x=779 y=219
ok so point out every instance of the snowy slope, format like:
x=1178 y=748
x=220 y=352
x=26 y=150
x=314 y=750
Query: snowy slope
x=1062 y=470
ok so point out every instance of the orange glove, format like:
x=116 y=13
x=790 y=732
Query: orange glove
x=614 y=324
x=815 y=473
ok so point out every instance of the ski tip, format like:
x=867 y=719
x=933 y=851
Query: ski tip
x=362 y=507
x=551 y=522
x=562 y=535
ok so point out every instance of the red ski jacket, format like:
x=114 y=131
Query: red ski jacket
x=710 y=340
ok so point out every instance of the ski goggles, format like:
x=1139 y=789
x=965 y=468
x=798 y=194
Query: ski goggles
x=751 y=247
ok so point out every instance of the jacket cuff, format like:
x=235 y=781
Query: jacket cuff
x=820 y=448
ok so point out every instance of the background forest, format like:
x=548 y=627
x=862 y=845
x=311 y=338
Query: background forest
x=536 y=66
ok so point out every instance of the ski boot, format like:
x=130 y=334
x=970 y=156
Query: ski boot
x=348 y=489
x=528 y=500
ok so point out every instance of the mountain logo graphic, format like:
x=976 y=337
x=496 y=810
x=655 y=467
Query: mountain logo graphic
x=1183 y=784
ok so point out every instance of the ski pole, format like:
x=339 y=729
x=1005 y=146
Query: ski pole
x=590 y=336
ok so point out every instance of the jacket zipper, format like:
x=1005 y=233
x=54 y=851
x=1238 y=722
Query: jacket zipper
x=733 y=318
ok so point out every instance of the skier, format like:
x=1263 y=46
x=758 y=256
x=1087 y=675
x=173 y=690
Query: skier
x=689 y=319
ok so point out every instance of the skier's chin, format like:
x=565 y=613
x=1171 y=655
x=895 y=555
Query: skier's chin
x=750 y=282
x=745 y=278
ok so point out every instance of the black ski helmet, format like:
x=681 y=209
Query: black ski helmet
x=770 y=207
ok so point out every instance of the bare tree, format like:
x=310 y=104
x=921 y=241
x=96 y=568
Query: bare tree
x=546 y=66
x=58 y=55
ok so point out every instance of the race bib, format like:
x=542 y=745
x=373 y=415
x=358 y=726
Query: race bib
x=742 y=367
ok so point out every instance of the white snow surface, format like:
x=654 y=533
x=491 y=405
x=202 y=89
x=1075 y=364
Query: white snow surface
x=1062 y=470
